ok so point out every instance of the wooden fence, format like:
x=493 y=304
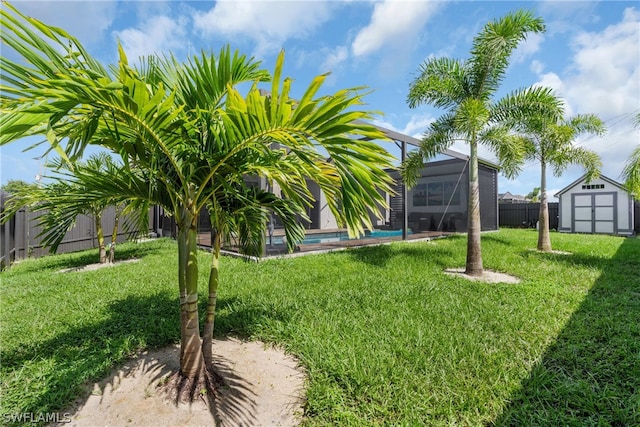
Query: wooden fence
x=19 y=236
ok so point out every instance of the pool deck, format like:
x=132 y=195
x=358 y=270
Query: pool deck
x=204 y=240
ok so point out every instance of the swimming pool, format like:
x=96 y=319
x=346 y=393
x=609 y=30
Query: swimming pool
x=337 y=236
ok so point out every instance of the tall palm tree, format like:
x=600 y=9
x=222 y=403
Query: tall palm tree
x=465 y=89
x=549 y=140
x=631 y=171
x=194 y=138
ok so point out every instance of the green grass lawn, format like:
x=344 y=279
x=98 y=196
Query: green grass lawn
x=386 y=337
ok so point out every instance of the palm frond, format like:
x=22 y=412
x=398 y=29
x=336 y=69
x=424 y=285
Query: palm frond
x=493 y=46
x=588 y=159
x=631 y=172
x=510 y=148
x=530 y=107
x=442 y=82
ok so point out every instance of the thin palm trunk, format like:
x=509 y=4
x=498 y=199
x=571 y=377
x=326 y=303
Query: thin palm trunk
x=544 y=239
x=214 y=280
x=192 y=361
x=97 y=217
x=474 y=251
x=114 y=236
x=182 y=283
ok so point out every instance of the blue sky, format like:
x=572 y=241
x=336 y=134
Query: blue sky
x=590 y=55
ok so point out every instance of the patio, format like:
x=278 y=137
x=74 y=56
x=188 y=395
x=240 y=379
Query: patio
x=278 y=249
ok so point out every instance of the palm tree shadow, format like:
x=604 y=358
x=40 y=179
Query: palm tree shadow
x=381 y=255
x=76 y=260
x=235 y=400
x=590 y=375
x=93 y=358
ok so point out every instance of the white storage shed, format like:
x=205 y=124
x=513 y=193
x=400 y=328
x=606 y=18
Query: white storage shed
x=599 y=206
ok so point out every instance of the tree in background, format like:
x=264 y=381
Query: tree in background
x=63 y=198
x=550 y=140
x=466 y=90
x=62 y=204
x=16 y=186
x=192 y=139
x=631 y=171
x=534 y=195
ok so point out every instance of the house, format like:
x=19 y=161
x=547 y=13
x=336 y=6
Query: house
x=437 y=203
x=598 y=206
x=511 y=198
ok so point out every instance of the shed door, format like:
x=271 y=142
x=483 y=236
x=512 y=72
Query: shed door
x=594 y=213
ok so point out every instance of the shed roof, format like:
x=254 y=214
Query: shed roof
x=583 y=178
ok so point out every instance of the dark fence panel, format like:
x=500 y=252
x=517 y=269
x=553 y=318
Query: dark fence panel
x=19 y=236
x=526 y=215
x=636 y=216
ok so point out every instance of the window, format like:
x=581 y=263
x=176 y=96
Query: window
x=439 y=193
x=451 y=193
x=420 y=195
x=593 y=186
x=434 y=197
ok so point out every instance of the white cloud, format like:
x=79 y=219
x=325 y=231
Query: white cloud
x=615 y=147
x=528 y=47
x=537 y=67
x=605 y=73
x=267 y=23
x=394 y=23
x=334 y=59
x=158 y=34
x=553 y=81
x=85 y=20
x=417 y=125
x=603 y=78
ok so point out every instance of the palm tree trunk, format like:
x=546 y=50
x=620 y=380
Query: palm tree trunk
x=182 y=282
x=114 y=236
x=191 y=361
x=544 y=239
x=214 y=279
x=97 y=217
x=474 y=251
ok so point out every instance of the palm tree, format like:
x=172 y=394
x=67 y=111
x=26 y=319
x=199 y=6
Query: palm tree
x=549 y=140
x=59 y=200
x=241 y=213
x=465 y=89
x=193 y=139
x=631 y=171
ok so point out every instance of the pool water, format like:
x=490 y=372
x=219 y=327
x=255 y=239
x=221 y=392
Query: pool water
x=339 y=236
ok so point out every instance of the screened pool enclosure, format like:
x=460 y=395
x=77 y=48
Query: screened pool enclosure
x=436 y=206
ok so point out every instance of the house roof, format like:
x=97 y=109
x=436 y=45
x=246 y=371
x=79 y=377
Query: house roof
x=583 y=178
x=508 y=195
x=400 y=137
